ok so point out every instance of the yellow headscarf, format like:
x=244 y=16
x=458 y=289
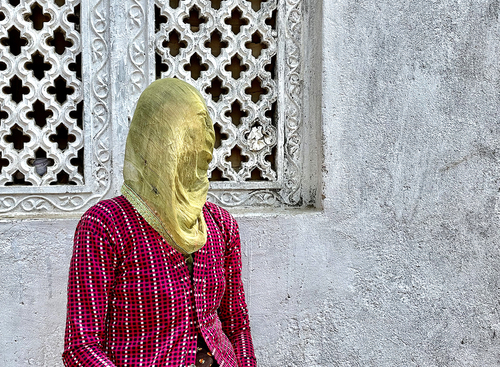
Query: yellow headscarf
x=169 y=147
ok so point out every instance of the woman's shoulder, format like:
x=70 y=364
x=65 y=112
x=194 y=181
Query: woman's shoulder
x=221 y=217
x=109 y=210
x=219 y=213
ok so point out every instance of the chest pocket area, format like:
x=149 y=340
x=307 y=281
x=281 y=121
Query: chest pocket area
x=210 y=284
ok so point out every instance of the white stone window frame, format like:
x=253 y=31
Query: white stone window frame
x=118 y=63
x=65 y=200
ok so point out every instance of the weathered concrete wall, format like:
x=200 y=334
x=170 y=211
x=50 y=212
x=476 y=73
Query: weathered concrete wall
x=34 y=264
x=401 y=267
x=411 y=108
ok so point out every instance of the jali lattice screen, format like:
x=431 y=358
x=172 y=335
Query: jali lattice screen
x=244 y=56
x=228 y=50
x=72 y=71
x=41 y=129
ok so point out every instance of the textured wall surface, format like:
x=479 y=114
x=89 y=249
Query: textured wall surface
x=401 y=266
x=411 y=233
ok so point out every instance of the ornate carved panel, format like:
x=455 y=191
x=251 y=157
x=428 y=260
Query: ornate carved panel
x=41 y=132
x=71 y=73
x=54 y=143
x=244 y=56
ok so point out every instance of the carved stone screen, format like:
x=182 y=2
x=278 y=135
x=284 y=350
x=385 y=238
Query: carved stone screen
x=45 y=146
x=71 y=72
x=41 y=137
x=234 y=53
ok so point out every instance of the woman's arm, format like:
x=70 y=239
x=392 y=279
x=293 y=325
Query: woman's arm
x=233 y=311
x=91 y=277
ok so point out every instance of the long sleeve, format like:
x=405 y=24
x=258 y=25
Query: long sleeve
x=91 y=278
x=129 y=299
x=233 y=311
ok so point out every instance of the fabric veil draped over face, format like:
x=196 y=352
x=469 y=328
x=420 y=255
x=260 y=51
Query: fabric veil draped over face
x=169 y=147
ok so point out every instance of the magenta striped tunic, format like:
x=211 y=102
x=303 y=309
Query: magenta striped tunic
x=131 y=301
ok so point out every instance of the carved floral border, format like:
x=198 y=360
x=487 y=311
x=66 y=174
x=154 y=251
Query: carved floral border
x=98 y=128
x=290 y=102
x=36 y=201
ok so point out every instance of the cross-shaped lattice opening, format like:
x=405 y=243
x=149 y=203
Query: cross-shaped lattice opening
x=159 y=18
x=39 y=114
x=14 y=41
x=75 y=18
x=256 y=4
x=272 y=20
x=256 y=44
x=236 y=113
x=215 y=4
x=16 y=89
x=60 y=3
x=60 y=90
x=236 y=20
x=38 y=65
x=271 y=67
x=194 y=19
x=3 y=162
x=18 y=179
x=160 y=66
x=236 y=158
x=14 y=2
x=78 y=115
x=256 y=175
x=195 y=66
x=62 y=179
x=17 y=137
x=255 y=90
x=216 y=89
x=3 y=115
x=62 y=138
x=216 y=175
x=219 y=136
x=40 y=162
x=76 y=66
x=216 y=43
x=38 y=17
x=174 y=43
x=78 y=161
x=59 y=41
x=174 y=4
x=236 y=67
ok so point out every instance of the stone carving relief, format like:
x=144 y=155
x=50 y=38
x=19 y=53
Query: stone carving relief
x=41 y=85
x=61 y=128
x=47 y=142
x=244 y=56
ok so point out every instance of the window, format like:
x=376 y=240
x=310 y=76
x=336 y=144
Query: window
x=70 y=75
x=42 y=136
x=54 y=155
x=236 y=53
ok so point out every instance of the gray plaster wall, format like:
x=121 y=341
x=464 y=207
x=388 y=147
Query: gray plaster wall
x=399 y=264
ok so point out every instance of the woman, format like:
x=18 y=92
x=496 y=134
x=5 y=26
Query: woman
x=156 y=272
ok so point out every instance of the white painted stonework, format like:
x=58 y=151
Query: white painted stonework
x=118 y=43
x=393 y=260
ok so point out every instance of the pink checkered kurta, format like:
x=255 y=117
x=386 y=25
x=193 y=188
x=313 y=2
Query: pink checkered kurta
x=130 y=297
